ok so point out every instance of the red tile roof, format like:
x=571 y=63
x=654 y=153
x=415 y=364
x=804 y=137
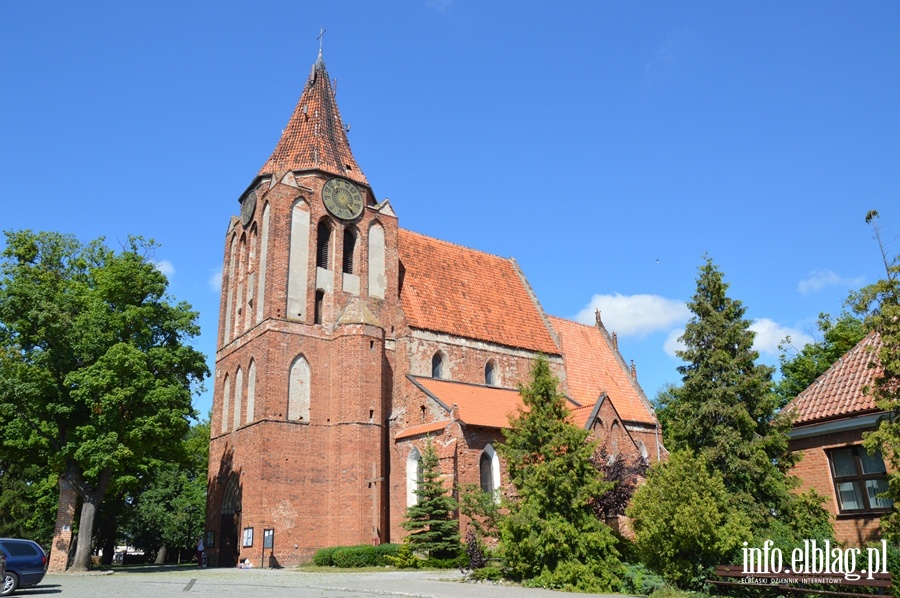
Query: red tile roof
x=423 y=429
x=460 y=291
x=580 y=415
x=315 y=138
x=592 y=368
x=839 y=391
x=486 y=406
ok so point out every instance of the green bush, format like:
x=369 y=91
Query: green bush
x=382 y=551
x=685 y=522
x=457 y=562
x=323 y=556
x=640 y=580
x=354 y=556
x=405 y=559
x=670 y=592
x=487 y=574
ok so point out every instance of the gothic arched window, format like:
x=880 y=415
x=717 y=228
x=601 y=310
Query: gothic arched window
x=437 y=366
x=298 y=390
x=413 y=476
x=489 y=470
x=489 y=377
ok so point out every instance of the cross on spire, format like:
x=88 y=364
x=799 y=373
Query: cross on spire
x=319 y=37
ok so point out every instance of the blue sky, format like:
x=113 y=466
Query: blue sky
x=604 y=145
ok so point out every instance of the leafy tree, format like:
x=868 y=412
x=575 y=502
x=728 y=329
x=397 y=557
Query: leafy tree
x=28 y=501
x=96 y=372
x=624 y=477
x=482 y=509
x=551 y=537
x=433 y=528
x=684 y=520
x=800 y=368
x=880 y=304
x=170 y=511
x=725 y=410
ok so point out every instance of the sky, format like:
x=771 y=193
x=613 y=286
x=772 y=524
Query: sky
x=607 y=146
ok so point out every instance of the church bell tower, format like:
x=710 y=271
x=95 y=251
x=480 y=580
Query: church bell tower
x=305 y=351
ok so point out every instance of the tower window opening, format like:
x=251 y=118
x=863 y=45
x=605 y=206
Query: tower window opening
x=349 y=248
x=320 y=304
x=323 y=242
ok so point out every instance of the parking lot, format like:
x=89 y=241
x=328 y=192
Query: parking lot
x=154 y=582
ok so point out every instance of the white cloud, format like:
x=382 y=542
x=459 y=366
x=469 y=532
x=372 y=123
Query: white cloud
x=673 y=343
x=635 y=315
x=770 y=333
x=819 y=279
x=166 y=267
x=215 y=280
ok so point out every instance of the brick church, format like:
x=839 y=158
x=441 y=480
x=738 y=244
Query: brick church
x=346 y=342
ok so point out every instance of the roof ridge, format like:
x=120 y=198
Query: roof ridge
x=464 y=383
x=452 y=244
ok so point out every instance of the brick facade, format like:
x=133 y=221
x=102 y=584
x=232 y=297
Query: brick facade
x=315 y=400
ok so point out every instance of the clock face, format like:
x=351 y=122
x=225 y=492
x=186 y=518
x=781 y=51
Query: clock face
x=248 y=207
x=342 y=199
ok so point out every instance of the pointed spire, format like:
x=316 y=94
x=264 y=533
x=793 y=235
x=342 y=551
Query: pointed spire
x=315 y=137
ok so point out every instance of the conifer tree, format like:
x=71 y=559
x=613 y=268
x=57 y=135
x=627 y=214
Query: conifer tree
x=880 y=303
x=551 y=537
x=725 y=409
x=433 y=527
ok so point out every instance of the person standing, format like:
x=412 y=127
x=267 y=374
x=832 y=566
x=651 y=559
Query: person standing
x=200 y=549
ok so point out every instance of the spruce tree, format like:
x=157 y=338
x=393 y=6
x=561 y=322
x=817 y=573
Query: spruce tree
x=726 y=410
x=433 y=528
x=551 y=537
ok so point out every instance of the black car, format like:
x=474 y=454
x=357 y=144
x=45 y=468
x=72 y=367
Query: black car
x=26 y=564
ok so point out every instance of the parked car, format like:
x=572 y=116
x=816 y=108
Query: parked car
x=26 y=564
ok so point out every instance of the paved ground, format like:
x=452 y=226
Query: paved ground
x=153 y=582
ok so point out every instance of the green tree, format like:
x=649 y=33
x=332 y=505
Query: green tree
x=96 y=369
x=800 y=367
x=551 y=537
x=684 y=520
x=433 y=527
x=28 y=500
x=170 y=511
x=725 y=410
x=880 y=305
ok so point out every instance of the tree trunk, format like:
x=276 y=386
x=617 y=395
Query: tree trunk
x=160 y=556
x=91 y=499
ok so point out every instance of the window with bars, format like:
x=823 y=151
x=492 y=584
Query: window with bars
x=858 y=479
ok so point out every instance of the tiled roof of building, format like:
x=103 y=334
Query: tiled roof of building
x=592 y=367
x=486 y=406
x=315 y=138
x=460 y=291
x=581 y=414
x=839 y=391
x=423 y=429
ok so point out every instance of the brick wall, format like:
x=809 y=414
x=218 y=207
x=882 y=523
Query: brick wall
x=814 y=471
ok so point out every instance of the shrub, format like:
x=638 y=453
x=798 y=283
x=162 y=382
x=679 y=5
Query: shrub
x=382 y=551
x=487 y=574
x=638 y=579
x=323 y=556
x=405 y=558
x=684 y=520
x=354 y=556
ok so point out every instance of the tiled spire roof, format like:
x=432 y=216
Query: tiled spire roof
x=315 y=138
